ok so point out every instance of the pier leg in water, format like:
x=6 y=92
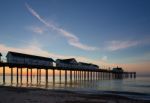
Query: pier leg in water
x=134 y=74
x=84 y=75
x=3 y=74
x=53 y=76
x=11 y=75
x=91 y=76
x=31 y=75
x=17 y=75
x=46 y=76
x=21 y=75
x=27 y=74
x=60 y=76
x=37 y=74
x=40 y=76
x=78 y=75
x=71 y=76
x=65 y=76
x=74 y=75
x=88 y=75
x=81 y=75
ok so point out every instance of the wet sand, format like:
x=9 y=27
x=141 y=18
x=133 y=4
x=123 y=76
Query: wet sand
x=34 y=95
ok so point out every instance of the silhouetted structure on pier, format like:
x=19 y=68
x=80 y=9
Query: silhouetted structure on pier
x=77 y=71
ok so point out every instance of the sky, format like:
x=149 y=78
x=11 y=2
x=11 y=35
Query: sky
x=108 y=33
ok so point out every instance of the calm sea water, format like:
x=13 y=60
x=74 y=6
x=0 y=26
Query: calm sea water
x=140 y=84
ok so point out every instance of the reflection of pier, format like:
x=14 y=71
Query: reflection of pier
x=74 y=73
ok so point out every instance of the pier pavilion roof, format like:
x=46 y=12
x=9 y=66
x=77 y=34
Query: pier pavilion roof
x=68 y=61
x=87 y=64
x=29 y=56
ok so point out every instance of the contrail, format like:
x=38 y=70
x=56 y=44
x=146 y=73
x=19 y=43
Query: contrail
x=72 y=39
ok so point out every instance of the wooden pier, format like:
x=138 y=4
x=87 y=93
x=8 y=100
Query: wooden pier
x=74 y=73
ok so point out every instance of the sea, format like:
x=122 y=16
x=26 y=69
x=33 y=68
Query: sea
x=138 y=87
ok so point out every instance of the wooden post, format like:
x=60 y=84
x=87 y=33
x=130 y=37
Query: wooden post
x=31 y=75
x=74 y=75
x=17 y=75
x=71 y=76
x=53 y=75
x=46 y=76
x=84 y=75
x=40 y=75
x=60 y=76
x=21 y=75
x=65 y=76
x=27 y=74
x=37 y=76
x=11 y=75
x=88 y=75
x=134 y=74
x=81 y=75
x=78 y=75
x=91 y=76
x=130 y=75
x=3 y=74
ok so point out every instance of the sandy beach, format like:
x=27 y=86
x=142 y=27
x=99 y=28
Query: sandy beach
x=34 y=95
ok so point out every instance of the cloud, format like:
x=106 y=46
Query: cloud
x=34 y=48
x=38 y=30
x=118 y=45
x=72 y=39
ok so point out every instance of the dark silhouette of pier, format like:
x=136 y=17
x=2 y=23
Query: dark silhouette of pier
x=74 y=73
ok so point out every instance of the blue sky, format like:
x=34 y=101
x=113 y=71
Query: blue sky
x=108 y=31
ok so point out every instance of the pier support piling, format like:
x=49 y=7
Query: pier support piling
x=53 y=76
x=3 y=74
x=70 y=76
x=27 y=74
x=46 y=75
x=65 y=76
x=11 y=75
x=17 y=75
x=21 y=75
x=37 y=74
x=31 y=75
x=40 y=76
x=60 y=76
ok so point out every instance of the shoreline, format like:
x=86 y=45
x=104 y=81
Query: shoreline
x=38 y=95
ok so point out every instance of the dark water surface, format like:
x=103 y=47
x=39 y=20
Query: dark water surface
x=140 y=84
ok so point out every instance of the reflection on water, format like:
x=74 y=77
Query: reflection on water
x=141 y=84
